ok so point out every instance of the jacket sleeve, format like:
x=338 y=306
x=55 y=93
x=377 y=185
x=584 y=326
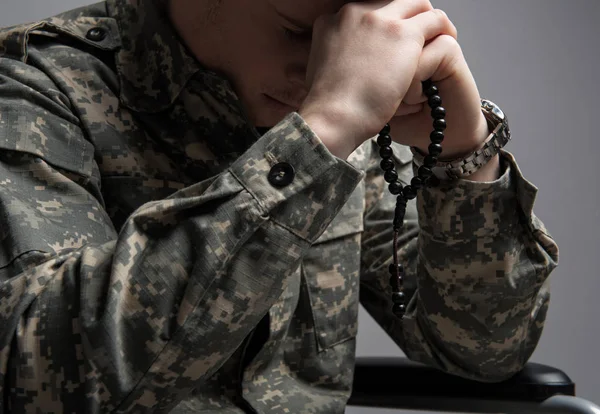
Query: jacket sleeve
x=477 y=262
x=95 y=321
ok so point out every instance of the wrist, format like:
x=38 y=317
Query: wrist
x=475 y=141
x=338 y=144
x=489 y=172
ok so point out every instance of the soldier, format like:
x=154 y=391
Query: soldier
x=191 y=200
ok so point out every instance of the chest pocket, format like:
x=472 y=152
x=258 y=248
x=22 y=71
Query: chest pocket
x=331 y=271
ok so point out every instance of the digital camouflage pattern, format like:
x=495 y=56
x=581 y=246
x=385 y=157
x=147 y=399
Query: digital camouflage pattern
x=142 y=243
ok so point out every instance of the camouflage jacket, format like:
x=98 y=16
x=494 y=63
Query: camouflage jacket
x=143 y=243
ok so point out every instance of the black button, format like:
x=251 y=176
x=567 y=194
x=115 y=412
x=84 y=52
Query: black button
x=281 y=174
x=96 y=34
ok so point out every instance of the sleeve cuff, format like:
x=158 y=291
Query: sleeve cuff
x=321 y=183
x=463 y=209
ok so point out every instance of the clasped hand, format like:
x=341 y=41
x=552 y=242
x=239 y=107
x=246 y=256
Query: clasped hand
x=366 y=67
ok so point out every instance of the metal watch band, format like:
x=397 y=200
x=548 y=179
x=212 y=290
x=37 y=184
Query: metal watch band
x=463 y=167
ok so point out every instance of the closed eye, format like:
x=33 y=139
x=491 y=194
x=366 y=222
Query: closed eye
x=296 y=35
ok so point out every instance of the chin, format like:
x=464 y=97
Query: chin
x=270 y=112
x=269 y=120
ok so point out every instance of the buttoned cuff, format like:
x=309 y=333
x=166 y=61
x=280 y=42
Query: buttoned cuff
x=295 y=179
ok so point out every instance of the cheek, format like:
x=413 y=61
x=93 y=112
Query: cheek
x=271 y=45
x=263 y=60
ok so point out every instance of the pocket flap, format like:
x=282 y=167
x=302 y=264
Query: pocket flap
x=59 y=144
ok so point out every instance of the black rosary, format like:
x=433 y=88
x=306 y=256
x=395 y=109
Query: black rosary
x=423 y=179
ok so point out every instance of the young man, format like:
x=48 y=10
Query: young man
x=191 y=198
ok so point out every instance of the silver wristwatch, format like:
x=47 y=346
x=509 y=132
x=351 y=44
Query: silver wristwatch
x=463 y=167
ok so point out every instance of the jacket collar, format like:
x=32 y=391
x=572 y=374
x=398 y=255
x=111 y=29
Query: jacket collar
x=153 y=64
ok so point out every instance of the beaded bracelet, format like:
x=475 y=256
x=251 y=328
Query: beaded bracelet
x=423 y=179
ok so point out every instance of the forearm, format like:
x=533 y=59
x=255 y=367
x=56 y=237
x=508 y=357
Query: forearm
x=477 y=263
x=185 y=280
x=483 y=260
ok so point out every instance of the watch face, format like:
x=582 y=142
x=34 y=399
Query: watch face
x=498 y=112
x=493 y=108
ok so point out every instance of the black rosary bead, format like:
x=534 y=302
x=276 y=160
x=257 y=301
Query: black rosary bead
x=387 y=164
x=434 y=149
x=400 y=205
x=386 y=130
x=386 y=152
x=395 y=187
x=416 y=183
x=439 y=124
x=393 y=267
x=434 y=101
x=409 y=192
x=430 y=91
x=436 y=137
x=398 y=298
x=424 y=172
x=390 y=176
x=438 y=112
x=399 y=310
x=384 y=140
x=396 y=282
x=429 y=161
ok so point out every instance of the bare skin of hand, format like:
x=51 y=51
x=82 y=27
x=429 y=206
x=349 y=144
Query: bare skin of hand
x=366 y=67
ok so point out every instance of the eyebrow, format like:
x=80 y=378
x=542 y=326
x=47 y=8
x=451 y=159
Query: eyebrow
x=298 y=24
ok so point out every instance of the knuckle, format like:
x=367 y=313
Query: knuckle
x=452 y=51
x=421 y=6
x=442 y=18
x=370 y=19
x=440 y=13
x=391 y=28
x=349 y=11
x=445 y=22
x=426 y=4
x=395 y=28
x=448 y=42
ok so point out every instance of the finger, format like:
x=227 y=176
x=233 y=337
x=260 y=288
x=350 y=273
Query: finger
x=385 y=10
x=426 y=21
x=405 y=9
x=437 y=62
x=407 y=109
x=433 y=23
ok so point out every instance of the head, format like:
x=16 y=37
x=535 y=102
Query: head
x=257 y=45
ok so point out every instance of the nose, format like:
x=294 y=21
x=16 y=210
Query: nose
x=296 y=66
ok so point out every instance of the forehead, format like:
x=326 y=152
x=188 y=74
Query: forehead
x=307 y=10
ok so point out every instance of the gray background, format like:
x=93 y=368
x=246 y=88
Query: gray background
x=537 y=59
